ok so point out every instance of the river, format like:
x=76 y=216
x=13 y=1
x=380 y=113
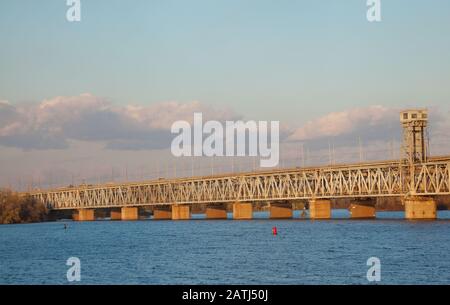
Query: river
x=201 y=251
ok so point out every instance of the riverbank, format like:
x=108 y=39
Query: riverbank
x=20 y=209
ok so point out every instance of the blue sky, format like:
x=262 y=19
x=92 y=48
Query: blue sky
x=271 y=59
x=69 y=91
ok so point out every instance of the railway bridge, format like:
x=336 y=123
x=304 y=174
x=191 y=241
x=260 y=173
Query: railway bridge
x=416 y=177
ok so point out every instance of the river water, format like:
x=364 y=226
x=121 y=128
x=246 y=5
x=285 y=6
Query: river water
x=201 y=251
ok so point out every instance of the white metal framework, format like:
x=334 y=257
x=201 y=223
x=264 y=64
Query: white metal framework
x=415 y=145
x=390 y=178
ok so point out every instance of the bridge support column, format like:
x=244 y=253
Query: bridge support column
x=242 y=210
x=181 y=212
x=420 y=208
x=218 y=211
x=130 y=213
x=362 y=209
x=320 y=209
x=116 y=214
x=162 y=212
x=84 y=215
x=280 y=210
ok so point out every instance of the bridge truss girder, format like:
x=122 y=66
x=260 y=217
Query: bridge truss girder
x=369 y=180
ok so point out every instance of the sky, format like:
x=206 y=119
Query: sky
x=83 y=98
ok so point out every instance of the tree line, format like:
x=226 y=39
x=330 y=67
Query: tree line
x=15 y=208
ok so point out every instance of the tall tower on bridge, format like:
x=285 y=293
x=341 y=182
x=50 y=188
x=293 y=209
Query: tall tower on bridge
x=415 y=142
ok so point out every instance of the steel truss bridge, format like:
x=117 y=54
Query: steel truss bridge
x=375 y=179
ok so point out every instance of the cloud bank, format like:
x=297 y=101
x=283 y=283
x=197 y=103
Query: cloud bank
x=54 y=122
x=353 y=121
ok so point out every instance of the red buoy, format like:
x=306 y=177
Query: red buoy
x=274 y=231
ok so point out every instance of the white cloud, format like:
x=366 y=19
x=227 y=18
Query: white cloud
x=53 y=122
x=346 y=122
x=162 y=115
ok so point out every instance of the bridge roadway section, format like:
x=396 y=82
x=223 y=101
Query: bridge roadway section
x=416 y=184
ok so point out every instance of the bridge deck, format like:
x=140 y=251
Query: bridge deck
x=373 y=179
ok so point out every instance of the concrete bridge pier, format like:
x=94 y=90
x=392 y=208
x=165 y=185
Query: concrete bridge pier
x=216 y=211
x=362 y=209
x=124 y=213
x=129 y=213
x=84 y=215
x=162 y=212
x=417 y=208
x=319 y=208
x=242 y=210
x=116 y=214
x=181 y=212
x=280 y=210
